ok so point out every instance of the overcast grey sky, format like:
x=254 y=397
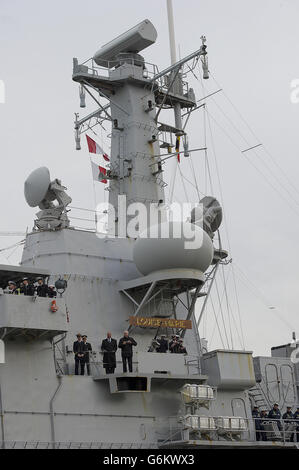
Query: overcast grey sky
x=253 y=54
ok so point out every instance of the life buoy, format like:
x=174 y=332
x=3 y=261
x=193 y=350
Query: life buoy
x=53 y=307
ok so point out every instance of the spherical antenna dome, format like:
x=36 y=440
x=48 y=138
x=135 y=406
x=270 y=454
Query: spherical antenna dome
x=156 y=254
x=36 y=186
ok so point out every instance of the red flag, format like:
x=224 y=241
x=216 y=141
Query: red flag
x=94 y=147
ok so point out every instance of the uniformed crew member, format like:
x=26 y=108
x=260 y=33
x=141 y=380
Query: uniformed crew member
x=275 y=415
x=78 y=349
x=26 y=287
x=52 y=294
x=42 y=288
x=109 y=348
x=288 y=418
x=264 y=417
x=174 y=344
x=12 y=288
x=162 y=345
x=296 y=418
x=126 y=344
x=87 y=349
x=257 y=422
x=181 y=348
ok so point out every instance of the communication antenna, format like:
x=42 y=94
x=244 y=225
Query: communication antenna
x=173 y=56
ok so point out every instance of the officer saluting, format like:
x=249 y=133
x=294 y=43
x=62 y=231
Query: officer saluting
x=126 y=345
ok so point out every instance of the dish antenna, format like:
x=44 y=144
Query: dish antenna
x=40 y=191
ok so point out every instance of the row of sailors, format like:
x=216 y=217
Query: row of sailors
x=262 y=416
x=81 y=350
x=28 y=288
x=162 y=345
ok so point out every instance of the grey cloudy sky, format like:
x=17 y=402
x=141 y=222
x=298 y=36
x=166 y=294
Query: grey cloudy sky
x=253 y=54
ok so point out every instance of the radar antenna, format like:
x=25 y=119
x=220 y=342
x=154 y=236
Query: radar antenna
x=40 y=191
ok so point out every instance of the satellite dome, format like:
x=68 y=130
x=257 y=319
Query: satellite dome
x=156 y=254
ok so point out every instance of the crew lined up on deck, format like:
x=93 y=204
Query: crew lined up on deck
x=109 y=346
x=28 y=288
x=263 y=417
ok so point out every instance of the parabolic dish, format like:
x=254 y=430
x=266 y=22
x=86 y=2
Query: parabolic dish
x=36 y=186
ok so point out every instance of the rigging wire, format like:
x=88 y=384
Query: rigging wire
x=255 y=136
x=257 y=169
x=255 y=153
x=257 y=292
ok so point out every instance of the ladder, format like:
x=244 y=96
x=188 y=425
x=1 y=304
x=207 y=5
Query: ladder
x=259 y=397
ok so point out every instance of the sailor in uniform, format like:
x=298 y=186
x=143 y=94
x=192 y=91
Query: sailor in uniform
x=162 y=345
x=12 y=288
x=174 y=344
x=87 y=349
x=109 y=348
x=126 y=344
x=181 y=348
x=52 y=292
x=26 y=288
x=78 y=349
x=42 y=288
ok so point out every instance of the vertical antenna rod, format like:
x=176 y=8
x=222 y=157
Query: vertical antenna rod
x=177 y=107
x=171 y=32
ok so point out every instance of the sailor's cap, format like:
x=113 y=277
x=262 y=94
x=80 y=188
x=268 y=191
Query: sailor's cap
x=12 y=282
x=39 y=279
x=25 y=279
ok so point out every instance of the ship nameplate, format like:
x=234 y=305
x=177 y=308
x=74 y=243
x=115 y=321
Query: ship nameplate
x=160 y=322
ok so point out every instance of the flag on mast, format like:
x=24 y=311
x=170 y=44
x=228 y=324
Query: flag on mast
x=99 y=173
x=94 y=147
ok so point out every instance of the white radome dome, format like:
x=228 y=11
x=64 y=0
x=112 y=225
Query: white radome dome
x=156 y=254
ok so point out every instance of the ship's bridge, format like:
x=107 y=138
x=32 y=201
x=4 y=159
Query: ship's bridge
x=29 y=316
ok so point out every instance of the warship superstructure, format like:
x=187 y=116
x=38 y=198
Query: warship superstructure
x=146 y=284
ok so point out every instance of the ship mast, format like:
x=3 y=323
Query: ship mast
x=173 y=56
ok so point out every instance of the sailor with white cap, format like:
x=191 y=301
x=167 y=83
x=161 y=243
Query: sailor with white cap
x=26 y=287
x=12 y=288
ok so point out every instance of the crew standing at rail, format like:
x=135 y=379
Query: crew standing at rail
x=109 y=348
x=126 y=344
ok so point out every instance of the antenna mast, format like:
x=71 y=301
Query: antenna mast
x=177 y=106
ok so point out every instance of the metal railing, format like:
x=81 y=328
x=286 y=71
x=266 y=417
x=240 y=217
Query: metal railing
x=173 y=429
x=75 y=445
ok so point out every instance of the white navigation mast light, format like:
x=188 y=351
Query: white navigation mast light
x=135 y=40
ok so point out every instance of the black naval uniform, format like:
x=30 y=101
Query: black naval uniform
x=109 y=347
x=163 y=345
x=127 y=352
x=42 y=290
x=52 y=294
x=27 y=290
x=78 y=348
x=87 y=348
